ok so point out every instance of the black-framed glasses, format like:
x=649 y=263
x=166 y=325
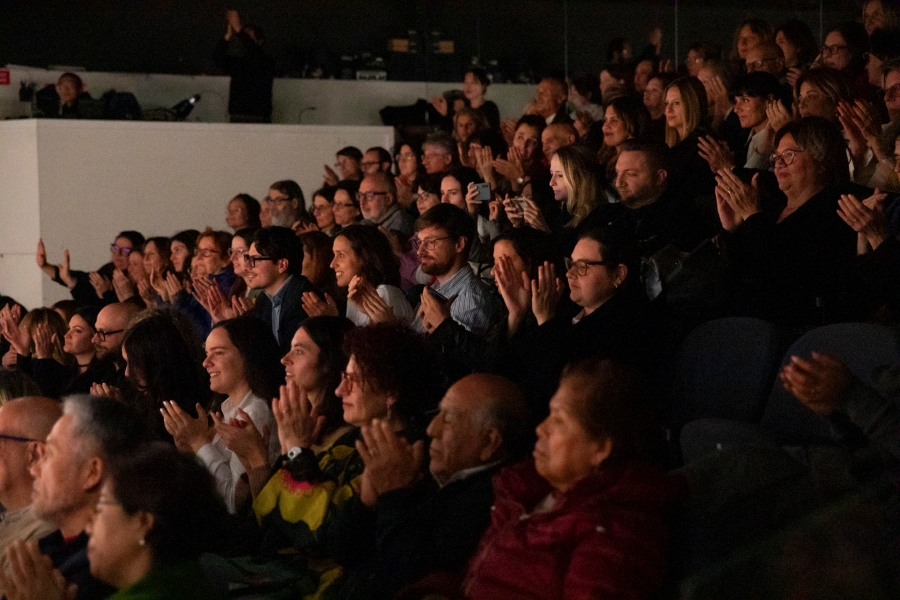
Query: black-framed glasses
x=429 y=243
x=102 y=334
x=278 y=199
x=581 y=266
x=15 y=438
x=833 y=49
x=369 y=196
x=786 y=157
x=116 y=249
x=251 y=260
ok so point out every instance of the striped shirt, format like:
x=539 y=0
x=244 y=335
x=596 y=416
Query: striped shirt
x=475 y=306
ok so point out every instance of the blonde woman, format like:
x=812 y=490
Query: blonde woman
x=687 y=116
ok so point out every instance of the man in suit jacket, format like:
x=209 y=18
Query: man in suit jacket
x=275 y=262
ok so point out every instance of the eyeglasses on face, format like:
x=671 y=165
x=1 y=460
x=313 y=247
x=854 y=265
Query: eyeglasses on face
x=232 y=252
x=101 y=335
x=252 y=259
x=350 y=379
x=428 y=243
x=276 y=199
x=833 y=49
x=405 y=156
x=123 y=250
x=786 y=157
x=318 y=208
x=368 y=196
x=344 y=205
x=582 y=266
x=892 y=92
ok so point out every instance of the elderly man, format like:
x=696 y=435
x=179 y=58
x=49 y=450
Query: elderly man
x=378 y=202
x=443 y=241
x=427 y=525
x=438 y=153
x=557 y=135
x=67 y=480
x=24 y=426
x=285 y=202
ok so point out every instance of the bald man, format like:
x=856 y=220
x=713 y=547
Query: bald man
x=24 y=426
x=432 y=524
x=112 y=321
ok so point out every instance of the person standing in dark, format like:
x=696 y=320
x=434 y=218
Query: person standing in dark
x=240 y=55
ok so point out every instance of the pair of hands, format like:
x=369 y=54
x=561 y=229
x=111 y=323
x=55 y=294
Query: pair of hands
x=866 y=218
x=391 y=462
x=530 y=214
x=32 y=576
x=433 y=310
x=65 y=270
x=735 y=200
x=511 y=167
x=364 y=295
x=11 y=328
x=818 y=382
x=521 y=293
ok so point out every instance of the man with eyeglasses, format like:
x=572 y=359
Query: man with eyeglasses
x=438 y=153
x=24 y=425
x=68 y=476
x=378 y=202
x=285 y=202
x=275 y=266
x=112 y=321
x=376 y=159
x=443 y=239
x=767 y=57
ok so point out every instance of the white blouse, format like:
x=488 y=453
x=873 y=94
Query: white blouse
x=394 y=297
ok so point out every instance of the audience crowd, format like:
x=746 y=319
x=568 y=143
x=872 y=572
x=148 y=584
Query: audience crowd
x=457 y=370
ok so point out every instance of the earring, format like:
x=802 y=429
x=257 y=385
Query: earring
x=141 y=542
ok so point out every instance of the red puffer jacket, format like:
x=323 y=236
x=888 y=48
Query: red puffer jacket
x=604 y=538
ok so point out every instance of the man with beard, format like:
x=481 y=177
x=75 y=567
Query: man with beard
x=285 y=202
x=112 y=321
x=443 y=239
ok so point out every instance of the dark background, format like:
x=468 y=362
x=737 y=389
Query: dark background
x=526 y=37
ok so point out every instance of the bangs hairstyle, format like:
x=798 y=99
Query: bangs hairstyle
x=694 y=105
x=222 y=240
x=828 y=81
x=379 y=264
x=583 y=174
x=824 y=144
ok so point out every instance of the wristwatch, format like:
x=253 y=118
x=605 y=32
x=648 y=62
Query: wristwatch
x=521 y=180
x=294 y=452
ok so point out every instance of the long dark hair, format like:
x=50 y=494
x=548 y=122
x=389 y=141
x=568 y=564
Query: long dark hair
x=259 y=350
x=327 y=333
x=379 y=264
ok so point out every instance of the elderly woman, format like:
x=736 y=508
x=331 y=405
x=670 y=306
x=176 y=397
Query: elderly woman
x=585 y=517
x=791 y=258
x=158 y=511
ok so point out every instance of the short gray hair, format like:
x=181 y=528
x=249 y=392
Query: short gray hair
x=105 y=426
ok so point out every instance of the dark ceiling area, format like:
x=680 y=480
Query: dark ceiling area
x=523 y=38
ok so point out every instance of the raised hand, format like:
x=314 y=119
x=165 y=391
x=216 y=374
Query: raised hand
x=433 y=310
x=65 y=270
x=43 y=341
x=189 y=433
x=818 y=382
x=508 y=129
x=484 y=164
x=123 y=286
x=742 y=197
x=546 y=291
x=11 y=328
x=173 y=286
x=716 y=153
x=30 y=575
x=515 y=288
x=727 y=216
x=866 y=218
x=440 y=104
x=101 y=284
x=330 y=177
x=391 y=463
x=147 y=293
x=314 y=306
x=159 y=284
x=243 y=438
x=298 y=421
x=242 y=306
x=218 y=308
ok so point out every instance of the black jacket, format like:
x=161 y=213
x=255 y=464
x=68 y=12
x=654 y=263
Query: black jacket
x=292 y=313
x=72 y=561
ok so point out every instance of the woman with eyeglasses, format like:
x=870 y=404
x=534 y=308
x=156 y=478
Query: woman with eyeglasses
x=346 y=205
x=845 y=49
x=609 y=317
x=790 y=252
x=213 y=267
x=390 y=376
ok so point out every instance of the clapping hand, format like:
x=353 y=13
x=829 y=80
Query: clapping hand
x=742 y=198
x=104 y=390
x=31 y=575
x=243 y=438
x=515 y=288
x=12 y=329
x=315 y=306
x=43 y=341
x=867 y=218
x=433 y=310
x=391 y=463
x=299 y=423
x=123 y=286
x=546 y=291
x=366 y=298
x=189 y=433
x=241 y=306
x=101 y=284
x=716 y=153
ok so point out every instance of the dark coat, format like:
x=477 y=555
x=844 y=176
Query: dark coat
x=292 y=313
x=604 y=538
x=70 y=558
